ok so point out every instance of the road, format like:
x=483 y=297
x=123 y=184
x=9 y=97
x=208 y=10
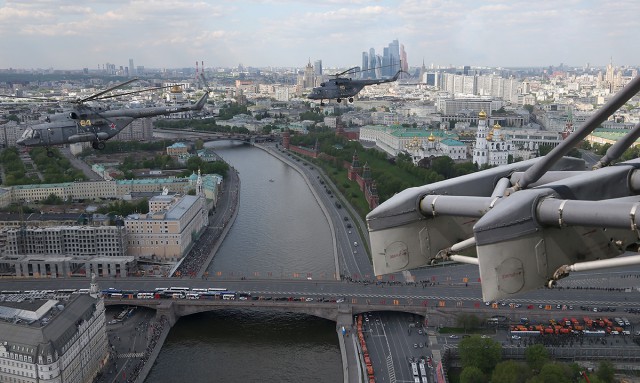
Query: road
x=80 y=165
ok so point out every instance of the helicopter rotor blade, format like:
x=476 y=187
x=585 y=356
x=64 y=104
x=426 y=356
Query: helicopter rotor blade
x=346 y=71
x=132 y=92
x=205 y=82
x=106 y=91
x=31 y=98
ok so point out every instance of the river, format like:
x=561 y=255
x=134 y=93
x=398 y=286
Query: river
x=280 y=231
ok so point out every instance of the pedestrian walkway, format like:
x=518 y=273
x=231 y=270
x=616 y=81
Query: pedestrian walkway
x=131 y=355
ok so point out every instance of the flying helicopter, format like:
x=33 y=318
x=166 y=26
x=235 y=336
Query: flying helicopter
x=345 y=88
x=85 y=123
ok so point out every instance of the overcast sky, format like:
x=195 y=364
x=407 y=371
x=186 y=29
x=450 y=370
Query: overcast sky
x=74 y=34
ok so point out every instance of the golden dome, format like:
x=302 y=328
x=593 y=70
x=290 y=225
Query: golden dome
x=490 y=136
x=413 y=144
x=176 y=89
x=431 y=137
x=482 y=115
x=497 y=126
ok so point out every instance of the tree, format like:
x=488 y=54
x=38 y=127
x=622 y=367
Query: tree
x=472 y=374
x=13 y=117
x=510 y=371
x=480 y=352
x=52 y=199
x=536 y=356
x=467 y=321
x=528 y=107
x=605 y=371
x=553 y=373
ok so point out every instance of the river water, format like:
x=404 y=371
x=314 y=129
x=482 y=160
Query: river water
x=280 y=230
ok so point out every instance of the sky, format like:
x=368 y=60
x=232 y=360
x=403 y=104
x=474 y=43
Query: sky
x=74 y=34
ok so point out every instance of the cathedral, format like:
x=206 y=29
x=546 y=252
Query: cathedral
x=492 y=146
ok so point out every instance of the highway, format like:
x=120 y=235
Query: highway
x=603 y=290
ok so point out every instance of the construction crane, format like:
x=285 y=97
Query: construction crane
x=525 y=224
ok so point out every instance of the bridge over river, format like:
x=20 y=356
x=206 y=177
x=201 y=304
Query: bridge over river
x=212 y=136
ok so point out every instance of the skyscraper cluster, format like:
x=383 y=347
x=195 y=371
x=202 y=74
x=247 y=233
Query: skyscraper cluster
x=393 y=59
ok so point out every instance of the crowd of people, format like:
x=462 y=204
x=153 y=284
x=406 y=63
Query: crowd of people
x=155 y=330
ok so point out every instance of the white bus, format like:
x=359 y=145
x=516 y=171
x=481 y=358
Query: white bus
x=173 y=289
x=414 y=369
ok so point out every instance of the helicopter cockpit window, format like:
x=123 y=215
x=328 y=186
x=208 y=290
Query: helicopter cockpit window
x=30 y=133
x=73 y=116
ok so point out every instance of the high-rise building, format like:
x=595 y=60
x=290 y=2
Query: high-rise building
x=404 y=64
x=386 y=61
x=372 y=63
x=131 y=68
x=365 y=65
x=394 y=58
x=378 y=66
x=317 y=67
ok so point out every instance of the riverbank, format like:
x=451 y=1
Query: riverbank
x=231 y=203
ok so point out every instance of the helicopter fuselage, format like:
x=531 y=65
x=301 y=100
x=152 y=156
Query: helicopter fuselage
x=86 y=124
x=344 y=88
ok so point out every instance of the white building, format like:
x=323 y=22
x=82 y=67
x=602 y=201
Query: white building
x=434 y=148
x=492 y=147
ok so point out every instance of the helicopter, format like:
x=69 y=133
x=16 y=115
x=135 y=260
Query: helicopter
x=86 y=123
x=345 y=88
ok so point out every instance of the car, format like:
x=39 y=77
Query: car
x=515 y=336
x=484 y=336
x=349 y=231
x=420 y=332
x=243 y=298
x=454 y=336
x=346 y=218
x=415 y=345
x=113 y=321
x=340 y=300
x=309 y=300
x=421 y=345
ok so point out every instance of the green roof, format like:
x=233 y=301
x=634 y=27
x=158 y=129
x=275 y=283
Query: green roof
x=450 y=142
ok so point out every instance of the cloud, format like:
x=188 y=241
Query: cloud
x=174 y=33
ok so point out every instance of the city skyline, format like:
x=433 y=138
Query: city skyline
x=282 y=33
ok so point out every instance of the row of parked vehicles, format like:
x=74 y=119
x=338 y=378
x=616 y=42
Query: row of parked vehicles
x=586 y=326
x=202 y=293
